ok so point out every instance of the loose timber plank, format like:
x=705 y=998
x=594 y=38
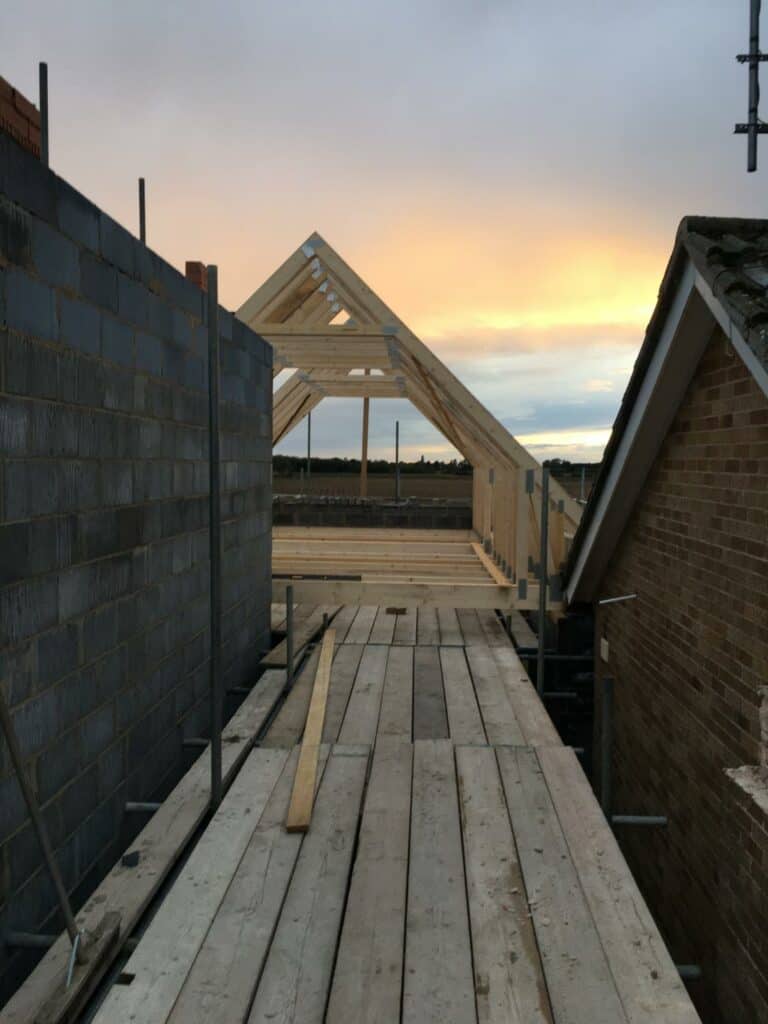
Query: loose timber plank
x=438 y=982
x=499 y=718
x=464 y=719
x=345 y=665
x=128 y=891
x=430 y=719
x=222 y=981
x=304 y=631
x=360 y=629
x=495 y=636
x=294 y=985
x=383 y=627
x=367 y=979
x=405 y=629
x=286 y=729
x=168 y=948
x=579 y=980
x=471 y=629
x=396 y=715
x=535 y=724
x=450 y=630
x=509 y=980
x=428 y=628
x=303 y=795
x=647 y=980
x=362 y=716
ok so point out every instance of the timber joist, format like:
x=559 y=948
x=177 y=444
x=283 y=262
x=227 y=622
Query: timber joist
x=373 y=354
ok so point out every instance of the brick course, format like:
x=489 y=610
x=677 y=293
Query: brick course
x=19 y=118
x=104 y=529
x=689 y=657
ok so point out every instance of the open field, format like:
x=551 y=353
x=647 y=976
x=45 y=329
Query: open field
x=379 y=486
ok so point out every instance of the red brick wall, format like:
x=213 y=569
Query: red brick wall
x=19 y=118
x=197 y=273
x=689 y=657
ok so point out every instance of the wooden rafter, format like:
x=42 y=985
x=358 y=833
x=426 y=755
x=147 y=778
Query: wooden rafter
x=292 y=310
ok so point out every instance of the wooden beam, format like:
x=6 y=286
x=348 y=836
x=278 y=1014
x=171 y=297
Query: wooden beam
x=364 y=449
x=493 y=570
x=303 y=795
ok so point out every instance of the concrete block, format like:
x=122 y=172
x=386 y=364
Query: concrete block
x=117 y=341
x=117 y=245
x=18 y=670
x=119 y=392
x=58 y=764
x=97 y=732
x=195 y=374
x=99 y=632
x=29 y=183
x=30 y=488
x=160 y=316
x=31 y=306
x=15 y=426
x=111 y=769
x=15 y=234
x=27 y=608
x=76 y=216
x=37 y=722
x=13 y=811
x=173 y=363
x=31 y=369
x=98 y=281
x=58 y=654
x=76 y=591
x=89 y=383
x=77 y=801
x=54 y=256
x=80 y=325
x=98 y=534
x=117 y=483
x=149 y=354
x=80 y=485
x=132 y=302
x=109 y=675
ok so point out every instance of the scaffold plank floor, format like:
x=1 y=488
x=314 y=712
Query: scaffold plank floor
x=457 y=868
x=419 y=568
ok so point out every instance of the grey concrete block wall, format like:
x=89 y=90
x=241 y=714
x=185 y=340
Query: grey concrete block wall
x=103 y=528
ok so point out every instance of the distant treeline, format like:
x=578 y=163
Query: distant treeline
x=292 y=465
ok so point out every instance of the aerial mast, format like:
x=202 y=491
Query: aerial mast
x=754 y=126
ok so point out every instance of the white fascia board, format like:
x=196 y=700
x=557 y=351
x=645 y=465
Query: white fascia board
x=632 y=431
x=734 y=335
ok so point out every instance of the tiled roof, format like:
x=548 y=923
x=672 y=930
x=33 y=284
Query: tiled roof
x=732 y=256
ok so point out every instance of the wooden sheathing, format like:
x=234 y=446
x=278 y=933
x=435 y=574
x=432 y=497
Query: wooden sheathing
x=293 y=310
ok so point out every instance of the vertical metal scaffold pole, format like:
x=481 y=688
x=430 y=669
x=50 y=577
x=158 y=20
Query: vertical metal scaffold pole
x=397 y=460
x=606 y=745
x=754 y=85
x=142 y=212
x=214 y=532
x=44 y=143
x=309 y=448
x=289 y=635
x=39 y=825
x=543 y=580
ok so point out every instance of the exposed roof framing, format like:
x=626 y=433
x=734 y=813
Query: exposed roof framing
x=294 y=311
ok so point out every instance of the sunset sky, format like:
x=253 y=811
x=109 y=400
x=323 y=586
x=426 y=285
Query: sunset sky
x=508 y=175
